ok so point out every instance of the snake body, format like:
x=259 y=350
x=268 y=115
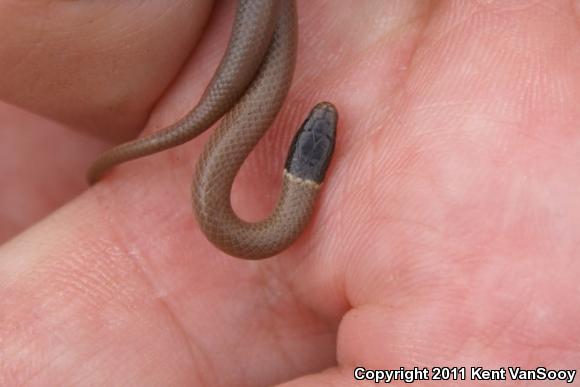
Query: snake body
x=249 y=88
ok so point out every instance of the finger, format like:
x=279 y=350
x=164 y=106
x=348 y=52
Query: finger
x=97 y=67
x=39 y=169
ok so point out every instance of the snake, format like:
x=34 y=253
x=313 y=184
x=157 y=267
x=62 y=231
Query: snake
x=246 y=92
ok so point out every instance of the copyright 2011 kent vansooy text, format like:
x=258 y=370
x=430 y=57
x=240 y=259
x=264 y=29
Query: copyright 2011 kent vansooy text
x=410 y=375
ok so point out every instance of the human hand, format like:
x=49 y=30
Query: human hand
x=445 y=233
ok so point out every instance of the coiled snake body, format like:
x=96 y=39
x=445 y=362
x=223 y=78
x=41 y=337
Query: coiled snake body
x=249 y=88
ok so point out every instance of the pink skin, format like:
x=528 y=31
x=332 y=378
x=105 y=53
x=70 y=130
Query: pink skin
x=446 y=233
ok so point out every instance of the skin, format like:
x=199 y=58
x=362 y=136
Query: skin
x=450 y=237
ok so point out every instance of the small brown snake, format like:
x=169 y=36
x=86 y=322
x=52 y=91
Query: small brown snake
x=248 y=90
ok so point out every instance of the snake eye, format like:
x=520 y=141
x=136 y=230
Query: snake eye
x=313 y=144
